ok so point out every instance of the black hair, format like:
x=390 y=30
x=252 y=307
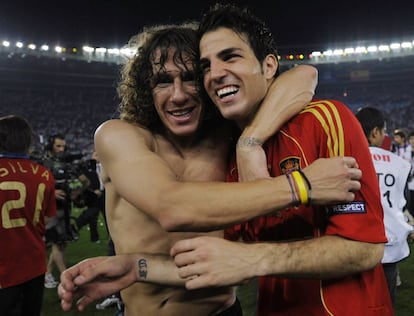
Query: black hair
x=51 y=140
x=370 y=117
x=15 y=135
x=243 y=22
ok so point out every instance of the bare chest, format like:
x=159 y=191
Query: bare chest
x=202 y=163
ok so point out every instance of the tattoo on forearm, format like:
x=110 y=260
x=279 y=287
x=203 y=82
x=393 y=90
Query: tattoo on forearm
x=142 y=268
x=248 y=142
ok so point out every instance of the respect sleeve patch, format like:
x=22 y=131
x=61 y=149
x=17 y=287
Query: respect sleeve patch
x=349 y=208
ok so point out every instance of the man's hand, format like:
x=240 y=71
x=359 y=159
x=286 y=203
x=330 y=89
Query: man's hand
x=211 y=261
x=95 y=278
x=60 y=194
x=333 y=180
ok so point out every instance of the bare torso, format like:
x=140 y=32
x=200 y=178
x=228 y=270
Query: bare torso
x=132 y=230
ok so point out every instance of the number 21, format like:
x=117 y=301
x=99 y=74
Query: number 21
x=8 y=206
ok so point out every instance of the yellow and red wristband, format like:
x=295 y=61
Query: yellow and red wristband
x=300 y=187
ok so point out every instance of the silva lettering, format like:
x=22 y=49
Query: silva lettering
x=16 y=167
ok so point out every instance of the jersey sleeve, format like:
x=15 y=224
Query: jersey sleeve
x=340 y=134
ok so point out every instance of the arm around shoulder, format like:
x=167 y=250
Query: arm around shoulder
x=288 y=94
x=141 y=177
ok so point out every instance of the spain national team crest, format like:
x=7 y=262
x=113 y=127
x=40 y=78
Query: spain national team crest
x=289 y=164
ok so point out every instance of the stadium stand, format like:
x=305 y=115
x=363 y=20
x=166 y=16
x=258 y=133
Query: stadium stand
x=74 y=95
x=69 y=97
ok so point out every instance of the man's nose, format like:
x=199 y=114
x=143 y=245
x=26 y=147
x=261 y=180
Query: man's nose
x=217 y=70
x=178 y=93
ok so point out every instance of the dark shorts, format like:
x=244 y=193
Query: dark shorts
x=55 y=235
x=23 y=299
x=234 y=310
x=62 y=230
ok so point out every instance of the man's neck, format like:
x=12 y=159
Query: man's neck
x=242 y=123
x=183 y=143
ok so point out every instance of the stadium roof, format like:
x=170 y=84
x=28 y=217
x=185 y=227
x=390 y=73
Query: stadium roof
x=108 y=23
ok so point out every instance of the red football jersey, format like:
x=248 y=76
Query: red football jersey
x=323 y=129
x=27 y=195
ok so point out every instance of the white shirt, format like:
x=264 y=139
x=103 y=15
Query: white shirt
x=403 y=151
x=392 y=172
x=411 y=180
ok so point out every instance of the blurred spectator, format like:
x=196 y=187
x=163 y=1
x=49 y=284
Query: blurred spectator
x=27 y=196
x=401 y=147
x=93 y=197
x=410 y=204
x=68 y=186
x=392 y=172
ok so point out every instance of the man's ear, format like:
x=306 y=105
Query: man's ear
x=374 y=135
x=375 y=131
x=270 y=65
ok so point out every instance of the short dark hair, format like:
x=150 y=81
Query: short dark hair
x=370 y=118
x=51 y=140
x=15 y=135
x=243 y=22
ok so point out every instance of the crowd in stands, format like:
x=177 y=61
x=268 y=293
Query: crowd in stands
x=73 y=97
x=59 y=97
x=395 y=101
x=77 y=112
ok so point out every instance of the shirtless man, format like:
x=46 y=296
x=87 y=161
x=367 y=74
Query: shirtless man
x=149 y=161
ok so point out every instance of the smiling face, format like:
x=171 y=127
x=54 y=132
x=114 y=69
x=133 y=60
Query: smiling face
x=176 y=97
x=233 y=77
